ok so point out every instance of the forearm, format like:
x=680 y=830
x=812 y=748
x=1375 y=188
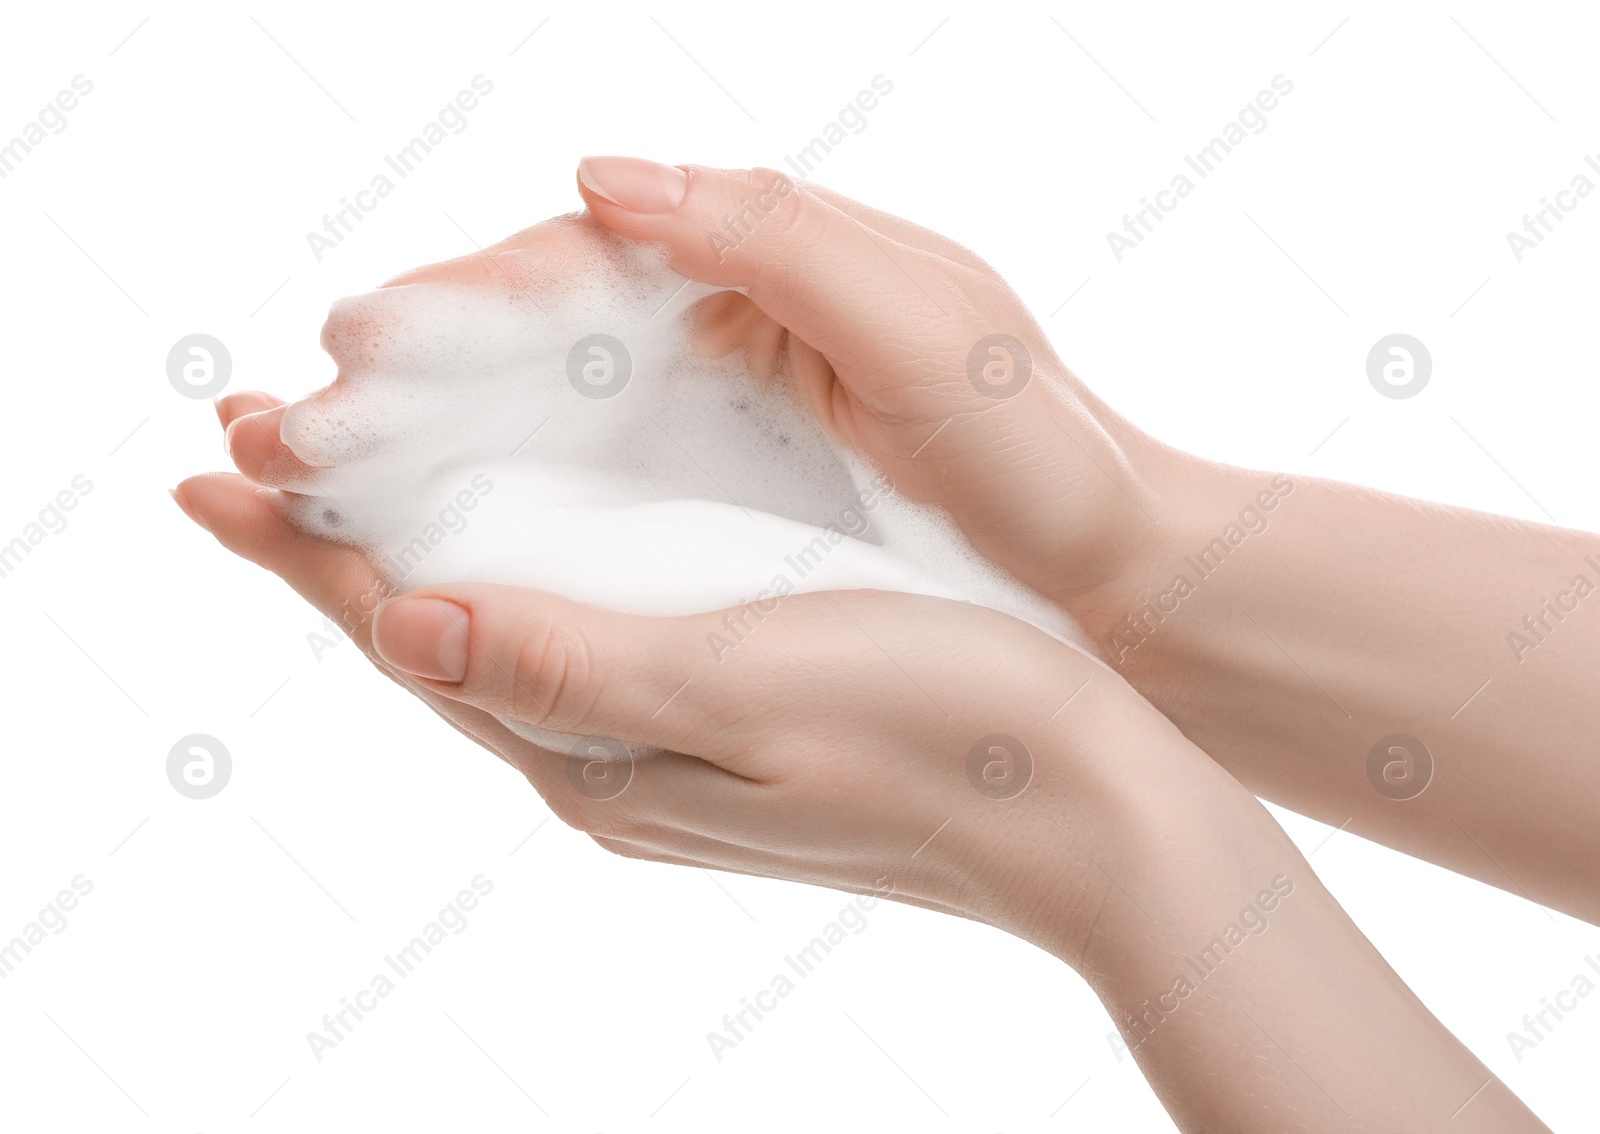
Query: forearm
x=1288 y=625
x=1253 y=1003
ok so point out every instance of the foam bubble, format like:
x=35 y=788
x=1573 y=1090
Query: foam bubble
x=544 y=423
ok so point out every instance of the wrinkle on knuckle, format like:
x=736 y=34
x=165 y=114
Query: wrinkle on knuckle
x=784 y=213
x=553 y=677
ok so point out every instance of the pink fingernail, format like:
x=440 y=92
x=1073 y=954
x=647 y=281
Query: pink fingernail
x=635 y=184
x=425 y=636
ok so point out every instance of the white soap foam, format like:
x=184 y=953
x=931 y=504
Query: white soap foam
x=462 y=442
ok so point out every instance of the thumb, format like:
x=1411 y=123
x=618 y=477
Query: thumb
x=556 y=664
x=809 y=265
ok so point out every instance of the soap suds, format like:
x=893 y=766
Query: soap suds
x=547 y=425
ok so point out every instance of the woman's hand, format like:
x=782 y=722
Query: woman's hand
x=932 y=751
x=1308 y=635
x=946 y=756
x=914 y=352
x=943 y=755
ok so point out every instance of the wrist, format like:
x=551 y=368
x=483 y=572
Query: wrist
x=1108 y=497
x=1124 y=823
x=1206 y=516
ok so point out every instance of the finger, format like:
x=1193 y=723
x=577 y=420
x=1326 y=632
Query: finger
x=245 y=401
x=709 y=853
x=815 y=269
x=249 y=521
x=473 y=268
x=339 y=581
x=642 y=853
x=489 y=265
x=565 y=666
x=910 y=234
x=342 y=584
x=254 y=442
x=726 y=321
x=642 y=801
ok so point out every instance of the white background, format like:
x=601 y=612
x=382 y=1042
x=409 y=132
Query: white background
x=177 y=200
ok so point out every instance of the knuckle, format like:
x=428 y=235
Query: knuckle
x=601 y=820
x=612 y=816
x=775 y=203
x=606 y=820
x=553 y=677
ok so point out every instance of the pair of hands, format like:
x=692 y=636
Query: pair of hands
x=950 y=755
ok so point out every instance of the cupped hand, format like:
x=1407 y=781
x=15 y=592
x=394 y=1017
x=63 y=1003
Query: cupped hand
x=911 y=350
x=929 y=750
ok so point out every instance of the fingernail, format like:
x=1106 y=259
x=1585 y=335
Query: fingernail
x=635 y=184
x=227 y=438
x=182 y=501
x=423 y=636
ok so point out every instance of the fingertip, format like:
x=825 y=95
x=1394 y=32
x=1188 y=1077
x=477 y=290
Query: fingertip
x=219 y=502
x=184 y=503
x=632 y=184
x=231 y=407
x=250 y=521
x=809 y=266
x=473 y=268
x=255 y=445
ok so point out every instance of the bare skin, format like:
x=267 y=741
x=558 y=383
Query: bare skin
x=840 y=736
x=1358 y=615
x=1355 y=615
